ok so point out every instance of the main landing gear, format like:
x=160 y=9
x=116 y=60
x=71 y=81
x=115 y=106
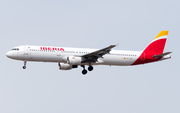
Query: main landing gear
x=90 y=68
x=84 y=71
x=24 y=67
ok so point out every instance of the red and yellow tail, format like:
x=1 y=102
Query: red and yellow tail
x=156 y=47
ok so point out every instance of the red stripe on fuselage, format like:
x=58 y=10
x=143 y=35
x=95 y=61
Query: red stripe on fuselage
x=155 y=48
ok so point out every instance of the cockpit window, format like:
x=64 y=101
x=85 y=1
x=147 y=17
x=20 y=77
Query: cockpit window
x=16 y=49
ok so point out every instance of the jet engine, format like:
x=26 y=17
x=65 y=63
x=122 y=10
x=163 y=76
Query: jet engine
x=74 y=60
x=65 y=66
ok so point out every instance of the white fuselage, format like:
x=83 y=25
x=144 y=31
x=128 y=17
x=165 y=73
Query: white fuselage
x=60 y=54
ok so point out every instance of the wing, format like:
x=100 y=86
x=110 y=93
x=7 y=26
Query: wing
x=92 y=57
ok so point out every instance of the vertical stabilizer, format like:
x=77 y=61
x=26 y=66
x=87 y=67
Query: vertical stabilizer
x=158 y=44
x=156 y=47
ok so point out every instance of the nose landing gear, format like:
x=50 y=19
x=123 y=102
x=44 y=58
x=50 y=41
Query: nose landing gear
x=24 y=67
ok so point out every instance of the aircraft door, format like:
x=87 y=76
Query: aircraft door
x=25 y=50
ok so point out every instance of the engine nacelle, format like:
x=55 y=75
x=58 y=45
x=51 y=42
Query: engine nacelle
x=74 y=60
x=65 y=66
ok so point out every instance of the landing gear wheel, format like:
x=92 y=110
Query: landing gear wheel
x=90 y=68
x=24 y=67
x=84 y=71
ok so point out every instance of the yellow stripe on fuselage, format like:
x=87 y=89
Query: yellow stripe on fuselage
x=162 y=33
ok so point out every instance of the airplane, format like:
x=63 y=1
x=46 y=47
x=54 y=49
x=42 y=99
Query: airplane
x=69 y=58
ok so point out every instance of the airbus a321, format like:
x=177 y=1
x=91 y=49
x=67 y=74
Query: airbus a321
x=69 y=58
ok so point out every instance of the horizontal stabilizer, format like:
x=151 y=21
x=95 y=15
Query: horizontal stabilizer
x=161 y=55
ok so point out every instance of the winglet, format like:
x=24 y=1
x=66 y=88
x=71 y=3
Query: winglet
x=117 y=44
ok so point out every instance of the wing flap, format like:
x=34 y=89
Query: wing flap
x=101 y=52
x=93 y=56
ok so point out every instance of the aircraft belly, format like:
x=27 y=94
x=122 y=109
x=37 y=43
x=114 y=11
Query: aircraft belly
x=118 y=60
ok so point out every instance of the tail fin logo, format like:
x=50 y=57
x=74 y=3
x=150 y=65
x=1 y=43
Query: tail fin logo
x=162 y=34
x=158 y=44
x=156 y=47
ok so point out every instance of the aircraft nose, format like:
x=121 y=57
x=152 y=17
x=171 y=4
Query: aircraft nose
x=8 y=54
